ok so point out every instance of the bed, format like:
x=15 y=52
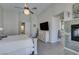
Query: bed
x=17 y=45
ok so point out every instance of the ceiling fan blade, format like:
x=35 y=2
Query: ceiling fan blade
x=19 y=7
x=28 y=9
x=34 y=8
x=31 y=12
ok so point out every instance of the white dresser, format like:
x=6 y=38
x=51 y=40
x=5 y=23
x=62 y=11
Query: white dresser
x=44 y=36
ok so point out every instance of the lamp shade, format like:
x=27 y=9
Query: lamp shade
x=22 y=27
x=1 y=29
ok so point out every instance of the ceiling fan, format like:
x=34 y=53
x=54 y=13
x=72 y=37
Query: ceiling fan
x=27 y=10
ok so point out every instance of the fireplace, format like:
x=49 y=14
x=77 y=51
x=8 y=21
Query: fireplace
x=75 y=32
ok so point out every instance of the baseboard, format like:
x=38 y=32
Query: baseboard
x=54 y=41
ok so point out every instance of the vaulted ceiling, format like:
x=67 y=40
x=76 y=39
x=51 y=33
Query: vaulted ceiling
x=12 y=6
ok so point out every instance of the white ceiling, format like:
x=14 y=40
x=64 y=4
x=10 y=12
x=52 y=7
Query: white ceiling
x=11 y=6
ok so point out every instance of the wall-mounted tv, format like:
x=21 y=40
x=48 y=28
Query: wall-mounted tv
x=44 y=26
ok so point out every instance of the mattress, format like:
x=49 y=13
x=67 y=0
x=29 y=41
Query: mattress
x=14 y=43
x=22 y=51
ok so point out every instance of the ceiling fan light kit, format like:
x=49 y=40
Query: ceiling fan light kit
x=26 y=12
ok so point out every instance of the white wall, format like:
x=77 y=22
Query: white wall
x=26 y=19
x=30 y=21
x=10 y=19
x=1 y=19
x=34 y=21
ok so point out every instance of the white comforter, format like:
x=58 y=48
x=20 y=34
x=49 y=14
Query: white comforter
x=13 y=43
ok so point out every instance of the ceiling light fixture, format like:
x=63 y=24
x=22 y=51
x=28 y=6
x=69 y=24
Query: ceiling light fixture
x=26 y=10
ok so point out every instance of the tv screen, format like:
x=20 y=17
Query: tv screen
x=44 y=26
x=75 y=32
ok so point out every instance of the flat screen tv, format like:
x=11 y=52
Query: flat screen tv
x=44 y=26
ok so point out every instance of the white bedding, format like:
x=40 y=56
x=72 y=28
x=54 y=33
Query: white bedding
x=14 y=43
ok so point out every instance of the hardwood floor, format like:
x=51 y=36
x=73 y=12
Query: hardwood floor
x=50 y=49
